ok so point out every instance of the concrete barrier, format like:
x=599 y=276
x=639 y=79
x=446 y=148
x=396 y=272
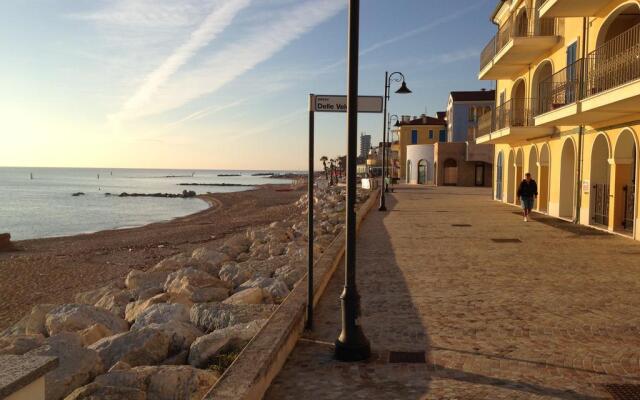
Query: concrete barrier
x=251 y=374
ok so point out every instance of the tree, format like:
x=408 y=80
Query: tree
x=324 y=160
x=332 y=164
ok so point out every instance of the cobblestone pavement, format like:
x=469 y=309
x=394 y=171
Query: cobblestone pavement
x=554 y=317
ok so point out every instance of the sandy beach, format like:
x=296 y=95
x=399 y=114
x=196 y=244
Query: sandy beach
x=52 y=270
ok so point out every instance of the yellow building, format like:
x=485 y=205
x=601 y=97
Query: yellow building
x=568 y=107
x=421 y=130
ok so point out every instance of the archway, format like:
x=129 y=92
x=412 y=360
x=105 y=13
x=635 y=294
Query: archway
x=519 y=167
x=533 y=168
x=499 y=176
x=625 y=160
x=450 y=172
x=408 y=171
x=511 y=190
x=541 y=88
x=567 y=179
x=518 y=104
x=600 y=174
x=614 y=60
x=422 y=172
x=543 y=179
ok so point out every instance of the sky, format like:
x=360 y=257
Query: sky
x=216 y=84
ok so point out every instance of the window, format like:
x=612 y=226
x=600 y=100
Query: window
x=471 y=114
x=414 y=136
x=430 y=133
x=443 y=135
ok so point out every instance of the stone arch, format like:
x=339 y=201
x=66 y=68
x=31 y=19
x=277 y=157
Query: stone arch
x=567 y=179
x=541 y=88
x=519 y=166
x=518 y=103
x=423 y=167
x=624 y=17
x=544 y=162
x=624 y=182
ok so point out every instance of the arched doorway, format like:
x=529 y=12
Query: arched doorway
x=533 y=168
x=543 y=178
x=625 y=159
x=511 y=190
x=408 y=171
x=499 y=175
x=422 y=172
x=518 y=113
x=612 y=63
x=519 y=166
x=450 y=172
x=600 y=175
x=541 y=88
x=567 y=179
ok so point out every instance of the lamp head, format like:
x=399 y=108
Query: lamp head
x=397 y=124
x=403 y=89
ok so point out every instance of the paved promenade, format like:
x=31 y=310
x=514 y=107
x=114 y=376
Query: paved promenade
x=553 y=317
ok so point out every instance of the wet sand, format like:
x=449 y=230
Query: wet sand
x=53 y=270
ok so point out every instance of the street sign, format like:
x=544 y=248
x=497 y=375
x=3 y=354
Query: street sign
x=329 y=103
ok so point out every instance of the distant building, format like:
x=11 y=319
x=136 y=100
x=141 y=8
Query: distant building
x=365 y=145
x=463 y=111
x=412 y=131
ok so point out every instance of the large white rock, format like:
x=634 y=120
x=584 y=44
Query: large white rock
x=94 y=391
x=94 y=333
x=135 y=308
x=172 y=264
x=235 y=245
x=247 y=296
x=165 y=382
x=20 y=344
x=32 y=323
x=181 y=334
x=146 y=346
x=197 y=286
x=76 y=365
x=235 y=275
x=206 y=347
x=77 y=317
x=208 y=259
x=116 y=301
x=290 y=274
x=212 y=316
x=274 y=289
x=141 y=281
x=91 y=297
x=161 y=313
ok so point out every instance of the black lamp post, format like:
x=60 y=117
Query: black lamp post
x=388 y=78
x=396 y=125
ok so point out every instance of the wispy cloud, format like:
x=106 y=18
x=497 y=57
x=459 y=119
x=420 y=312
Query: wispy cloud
x=239 y=57
x=207 y=111
x=216 y=22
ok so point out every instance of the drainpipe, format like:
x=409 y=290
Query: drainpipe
x=582 y=127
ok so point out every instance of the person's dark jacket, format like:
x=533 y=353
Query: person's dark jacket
x=528 y=189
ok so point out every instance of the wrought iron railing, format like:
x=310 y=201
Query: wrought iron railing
x=600 y=198
x=629 y=207
x=514 y=113
x=615 y=63
x=522 y=23
x=560 y=89
x=485 y=123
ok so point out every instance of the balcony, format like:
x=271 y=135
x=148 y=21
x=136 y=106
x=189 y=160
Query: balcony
x=511 y=123
x=604 y=86
x=519 y=42
x=571 y=8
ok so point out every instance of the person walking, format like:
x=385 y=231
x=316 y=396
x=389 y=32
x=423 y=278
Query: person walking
x=527 y=192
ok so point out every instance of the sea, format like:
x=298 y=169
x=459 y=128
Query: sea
x=39 y=202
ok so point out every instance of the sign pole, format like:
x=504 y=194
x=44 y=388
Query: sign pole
x=352 y=345
x=309 y=324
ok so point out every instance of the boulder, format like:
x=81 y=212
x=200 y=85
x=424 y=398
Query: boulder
x=161 y=313
x=20 y=344
x=248 y=296
x=77 y=317
x=274 y=289
x=256 y=234
x=172 y=264
x=165 y=382
x=235 y=245
x=32 y=323
x=205 y=348
x=91 y=297
x=134 y=309
x=212 y=316
x=140 y=281
x=208 y=260
x=290 y=274
x=180 y=358
x=94 y=333
x=276 y=249
x=94 y=391
x=243 y=257
x=138 y=347
x=120 y=366
x=181 y=334
x=235 y=275
x=76 y=365
x=197 y=286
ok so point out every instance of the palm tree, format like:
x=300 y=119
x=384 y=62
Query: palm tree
x=324 y=160
x=333 y=168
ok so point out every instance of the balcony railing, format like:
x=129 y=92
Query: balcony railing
x=560 y=89
x=613 y=64
x=521 y=24
x=514 y=113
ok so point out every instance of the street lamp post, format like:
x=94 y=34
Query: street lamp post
x=390 y=118
x=395 y=77
x=352 y=345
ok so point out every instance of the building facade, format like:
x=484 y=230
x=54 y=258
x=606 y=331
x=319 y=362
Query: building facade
x=567 y=75
x=412 y=131
x=463 y=111
x=365 y=145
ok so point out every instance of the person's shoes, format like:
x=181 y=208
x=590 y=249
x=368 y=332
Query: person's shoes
x=526 y=219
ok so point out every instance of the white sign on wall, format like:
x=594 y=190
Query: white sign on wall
x=329 y=103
